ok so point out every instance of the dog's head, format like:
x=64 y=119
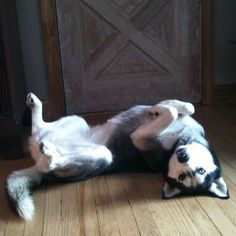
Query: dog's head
x=194 y=169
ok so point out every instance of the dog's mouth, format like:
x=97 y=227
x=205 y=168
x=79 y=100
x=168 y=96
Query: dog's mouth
x=173 y=182
x=176 y=184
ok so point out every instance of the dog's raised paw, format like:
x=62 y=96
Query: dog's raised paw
x=153 y=111
x=48 y=149
x=32 y=101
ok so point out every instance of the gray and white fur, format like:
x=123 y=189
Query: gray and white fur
x=162 y=138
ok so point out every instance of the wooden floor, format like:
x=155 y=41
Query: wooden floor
x=131 y=204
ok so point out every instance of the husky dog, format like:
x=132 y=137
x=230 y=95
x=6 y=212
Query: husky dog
x=163 y=138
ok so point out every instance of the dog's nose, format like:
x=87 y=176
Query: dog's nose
x=182 y=155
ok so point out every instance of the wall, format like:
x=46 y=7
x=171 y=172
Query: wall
x=29 y=23
x=224 y=51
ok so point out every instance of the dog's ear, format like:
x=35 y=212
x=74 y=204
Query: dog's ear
x=219 y=188
x=169 y=191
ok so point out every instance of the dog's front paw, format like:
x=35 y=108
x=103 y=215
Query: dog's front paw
x=184 y=108
x=48 y=149
x=32 y=101
x=160 y=109
x=154 y=111
x=50 y=153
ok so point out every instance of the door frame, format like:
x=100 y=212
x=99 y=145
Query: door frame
x=207 y=51
x=55 y=107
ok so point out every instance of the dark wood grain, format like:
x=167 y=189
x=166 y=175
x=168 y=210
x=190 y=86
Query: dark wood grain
x=118 y=54
x=54 y=106
x=207 y=51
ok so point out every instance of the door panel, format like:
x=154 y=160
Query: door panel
x=119 y=53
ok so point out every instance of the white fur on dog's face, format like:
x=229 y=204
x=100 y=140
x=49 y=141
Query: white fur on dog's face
x=193 y=172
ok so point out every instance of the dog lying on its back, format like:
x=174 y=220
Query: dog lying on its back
x=162 y=138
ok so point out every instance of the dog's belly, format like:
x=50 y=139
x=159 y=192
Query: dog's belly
x=126 y=157
x=63 y=133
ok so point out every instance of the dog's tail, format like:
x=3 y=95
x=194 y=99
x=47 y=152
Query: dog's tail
x=19 y=186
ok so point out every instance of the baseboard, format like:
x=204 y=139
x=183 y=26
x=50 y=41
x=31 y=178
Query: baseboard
x=10 y=139
x=224 y=94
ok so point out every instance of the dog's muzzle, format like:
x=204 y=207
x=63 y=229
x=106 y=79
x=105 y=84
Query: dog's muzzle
x=173 y=182
x=184 y=190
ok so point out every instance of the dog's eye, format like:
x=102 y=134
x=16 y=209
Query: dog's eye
x=201 y=171
x=182 y=177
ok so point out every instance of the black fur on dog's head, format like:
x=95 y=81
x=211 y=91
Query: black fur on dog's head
x=193 y=168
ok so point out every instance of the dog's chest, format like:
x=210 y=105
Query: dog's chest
x=169 y=137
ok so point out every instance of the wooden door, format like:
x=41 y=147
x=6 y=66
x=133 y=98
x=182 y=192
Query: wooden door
x=117 y=53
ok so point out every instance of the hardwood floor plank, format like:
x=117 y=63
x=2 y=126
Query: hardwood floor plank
x=176 y=220
x=124 y=215
x=70 y=204
x=199 y=217
x=151 y=187
x=229 y=206
x=145 y=219
x=228 y=171
x=217 y=215
x=35 y=227
x=89 y=223
x=182 y=219
x=15 y=227
x=53 y=208
x=105 y=213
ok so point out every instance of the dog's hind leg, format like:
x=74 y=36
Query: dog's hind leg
x=36 y=110
x=39 y=129
x=80 y=161
x=163 y=116
x=19 y=185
